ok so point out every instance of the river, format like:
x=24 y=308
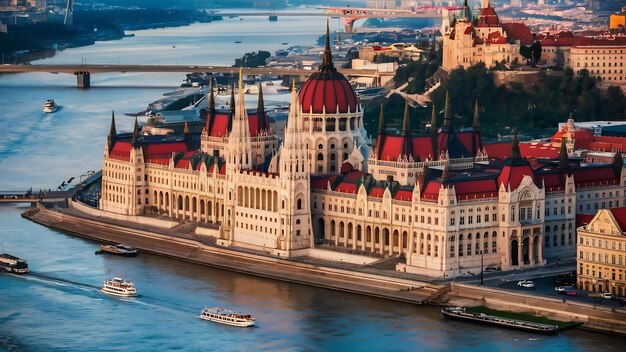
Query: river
x=57 y=307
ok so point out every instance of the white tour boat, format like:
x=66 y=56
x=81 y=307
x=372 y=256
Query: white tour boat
x=50 y=106
x=119 y=287
x=228 y=317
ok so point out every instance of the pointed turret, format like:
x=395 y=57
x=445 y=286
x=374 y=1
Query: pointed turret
x=563 y=159
x=231 y=116
x=135 y=141
x=112 y=137
x=447 y=121
x=407 y=148
x=476 y=144
x=515 y=152
x=261 y=110
x=327 y=60
x=433 y=133
x=211 y=99
x=476 y=122
x=381 y=133
x=466 y=13
x=381 y=124
x=405 y=119
x=618 y=163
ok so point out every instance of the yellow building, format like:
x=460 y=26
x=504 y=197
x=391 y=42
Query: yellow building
x=601 y=252
x=618 y=20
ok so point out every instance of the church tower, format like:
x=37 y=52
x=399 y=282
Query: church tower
x=295 y=177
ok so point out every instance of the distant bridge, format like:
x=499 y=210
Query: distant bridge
x=349 y=15
x=83 y=72
x=30 y=197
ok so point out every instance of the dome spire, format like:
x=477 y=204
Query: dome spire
x=211 y=98
x=327 y=61
x=231 y=116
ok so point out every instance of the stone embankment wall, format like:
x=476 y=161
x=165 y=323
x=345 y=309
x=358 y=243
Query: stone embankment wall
x=259 y=265
x=600 y=318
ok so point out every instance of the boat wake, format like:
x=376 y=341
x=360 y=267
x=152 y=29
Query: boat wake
x=51 y=280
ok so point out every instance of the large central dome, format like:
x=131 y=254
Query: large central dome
x=327 y=88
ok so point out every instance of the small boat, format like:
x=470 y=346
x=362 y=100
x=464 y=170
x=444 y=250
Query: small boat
x=119 y=287
x=118 y=249
x=228 y=317
x=459 y=313
x=13 y=264
x=50 y=106
x=285 y=43
x=238 y=41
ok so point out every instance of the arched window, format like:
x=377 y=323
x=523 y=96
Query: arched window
x=320 y=156
x=299 y=204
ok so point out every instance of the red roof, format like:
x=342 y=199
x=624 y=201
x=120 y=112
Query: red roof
x=164 y=149
x=554 y=182
x=330 y=89
x=488 y=17
x=218 y=124
x=595 y=176
x=431 y=192
x=518 y=31
x=120 y=151
x=498 y=151
x=584 y=219
x=377 y=192
x=513 y=175
x=345 y=187
x=620 y=216
x=403 y=195
x=391 y=148
x=471 y=189
x=253 y=124
x=423 y=148
x=322 y=182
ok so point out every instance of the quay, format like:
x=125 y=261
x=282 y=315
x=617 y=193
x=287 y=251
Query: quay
x=190 y=249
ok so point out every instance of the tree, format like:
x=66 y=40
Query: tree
x=535 y=50
x=252 y=59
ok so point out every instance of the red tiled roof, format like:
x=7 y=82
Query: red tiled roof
x=403 y=195
x=330 y=89
x=377 y=192
x=219 y=124
x=513 y=175
x=595 y=176
x=431 y=192
x=423 y=148
x=584 y=219
x=488 y=17
x=322 y=182
x=620 y=216
x=518 y=31
x=554 y=182
x=345 y=187
x=391 y=148
x=498 y=151
x=471 y=189
x=120 y=151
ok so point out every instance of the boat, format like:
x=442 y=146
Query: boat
x=228 y=317
x=13 y=264
x=238 y=41
x=118 y=249
x=119 y=287
x=50 y=106
x=460 y=313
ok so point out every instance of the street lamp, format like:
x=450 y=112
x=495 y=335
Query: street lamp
x=481 y=268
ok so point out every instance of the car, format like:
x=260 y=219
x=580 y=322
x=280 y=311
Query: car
x=493 y=268
x=526 y=284
x=563 y=288
x=571 y=293
x=607 y=295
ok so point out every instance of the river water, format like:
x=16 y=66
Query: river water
x=57 y=307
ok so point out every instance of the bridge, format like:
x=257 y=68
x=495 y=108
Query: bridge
x=83 y=72
x=349 y=15
x=7 y=197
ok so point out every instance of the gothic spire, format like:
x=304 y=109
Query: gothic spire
x=563 y=159
x=433 y=133
x=433 y=122
x=327 y=61
x=447 y=123
x=405 y=119
x=211 y=99
x=231 y=116
x=381 y=124
x=135 y=141
x=618 y=163
x=260 y=109
x=112 y=131
x=476 y=115
x=515 y=152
